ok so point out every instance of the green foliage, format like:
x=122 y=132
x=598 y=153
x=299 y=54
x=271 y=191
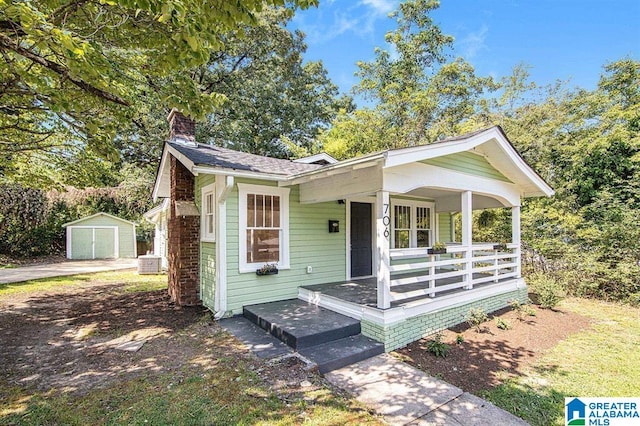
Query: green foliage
x=78 y=69
x=477 y=316
x=31 y=219
x=459 y=339
x=547 y=289
x=437 y=347
x=522 y=310
x=503 y=324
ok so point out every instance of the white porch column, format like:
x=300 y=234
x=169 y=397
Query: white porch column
x=467 y=237
x=515 y=237
x=383 y=231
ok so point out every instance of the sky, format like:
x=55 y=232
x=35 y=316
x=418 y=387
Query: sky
x=559 y=39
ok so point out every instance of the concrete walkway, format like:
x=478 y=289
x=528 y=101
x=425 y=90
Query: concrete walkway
x=399 y=392
x=72 y=267
x=405 y=395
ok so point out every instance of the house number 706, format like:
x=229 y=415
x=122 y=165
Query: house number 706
x=386 y=221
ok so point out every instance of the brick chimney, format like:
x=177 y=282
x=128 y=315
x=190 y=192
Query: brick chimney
x=184 y=221
x=181 y=127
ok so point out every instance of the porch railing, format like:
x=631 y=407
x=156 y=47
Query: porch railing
x=416 y=273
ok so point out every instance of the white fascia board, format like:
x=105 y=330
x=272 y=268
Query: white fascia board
x=414 y=154
x=317 y=157
x=208 y=170
x=163 y=174
x=525 y=169
x=402 y=156
x=347 y=165
x=98 y=214
x=182 y=158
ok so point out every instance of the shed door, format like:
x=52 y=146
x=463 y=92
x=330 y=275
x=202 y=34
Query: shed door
x=93 y=243
x=82 y=243
x=104 y=243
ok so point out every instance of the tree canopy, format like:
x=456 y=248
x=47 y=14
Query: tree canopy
x=75 y=69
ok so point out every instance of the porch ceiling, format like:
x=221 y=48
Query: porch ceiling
x=449 y=201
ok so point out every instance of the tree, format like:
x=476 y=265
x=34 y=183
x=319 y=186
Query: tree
x=272 y=98
x=419 y=95
x=74 y=69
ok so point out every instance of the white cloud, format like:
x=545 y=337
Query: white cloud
x=380 y=7
x=473 y=43
x=335 y=18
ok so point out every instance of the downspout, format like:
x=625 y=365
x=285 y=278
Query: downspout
x=224 y=184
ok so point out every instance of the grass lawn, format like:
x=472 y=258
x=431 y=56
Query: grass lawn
x=603 y=361
x=196 y=374
x=127 y=281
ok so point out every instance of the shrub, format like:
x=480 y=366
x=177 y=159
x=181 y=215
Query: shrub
x=459 y=339
x=437 y=347
x=522 y=310
x=548 y=290
x=502 y=324
x=477 y=316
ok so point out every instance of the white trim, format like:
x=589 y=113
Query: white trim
x=99 y=214
x=245 y=189
x=210 y=170
x=383 y=231
x=317 y=157
x=413 y=232
x=208 y=190
x=224 y=184
x=386 y=317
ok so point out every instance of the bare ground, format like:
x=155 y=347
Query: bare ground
x=65 y=341
x=486 y=359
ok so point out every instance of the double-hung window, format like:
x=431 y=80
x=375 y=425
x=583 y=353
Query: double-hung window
x=264 y=226
x=208 y=214
x=412 y=224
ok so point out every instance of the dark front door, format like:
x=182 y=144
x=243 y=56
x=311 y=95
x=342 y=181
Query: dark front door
x=361 y=240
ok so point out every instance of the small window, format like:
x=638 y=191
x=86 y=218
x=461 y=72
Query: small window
x=402 y=226
x=208 y=213
x=412 y=224
x=264 y=223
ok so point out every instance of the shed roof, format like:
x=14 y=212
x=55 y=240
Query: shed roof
x=99 y=214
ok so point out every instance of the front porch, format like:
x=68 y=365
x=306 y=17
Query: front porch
x=428 y=292
x=418 y=277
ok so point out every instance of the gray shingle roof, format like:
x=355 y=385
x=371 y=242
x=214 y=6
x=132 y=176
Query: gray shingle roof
x=214 y=156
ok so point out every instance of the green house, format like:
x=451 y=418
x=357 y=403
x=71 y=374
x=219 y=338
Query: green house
x=100 y=236
x=352 y=236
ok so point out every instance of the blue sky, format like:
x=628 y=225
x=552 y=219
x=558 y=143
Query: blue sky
x=559 y=39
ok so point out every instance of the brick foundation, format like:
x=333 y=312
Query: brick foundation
x=400 y=334
x=184 y=241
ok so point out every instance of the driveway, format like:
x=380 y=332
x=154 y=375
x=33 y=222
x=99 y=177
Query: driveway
x=74 y=267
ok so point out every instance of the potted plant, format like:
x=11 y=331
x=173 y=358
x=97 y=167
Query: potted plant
x=501 y=246
x=438 y=248
x=268 y=269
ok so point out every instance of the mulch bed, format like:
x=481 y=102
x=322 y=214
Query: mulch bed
x=485 y=360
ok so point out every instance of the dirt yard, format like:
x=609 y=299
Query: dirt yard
x=483 y=360
x=67 y=340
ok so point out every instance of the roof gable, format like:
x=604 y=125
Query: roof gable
x=490 y=143
x=82 y=219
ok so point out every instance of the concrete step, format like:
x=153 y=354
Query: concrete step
x=300 y=324
x=339 y=353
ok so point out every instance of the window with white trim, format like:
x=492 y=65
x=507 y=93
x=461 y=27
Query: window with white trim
x=412 y=224
x=208 y=214
x=264 y=226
